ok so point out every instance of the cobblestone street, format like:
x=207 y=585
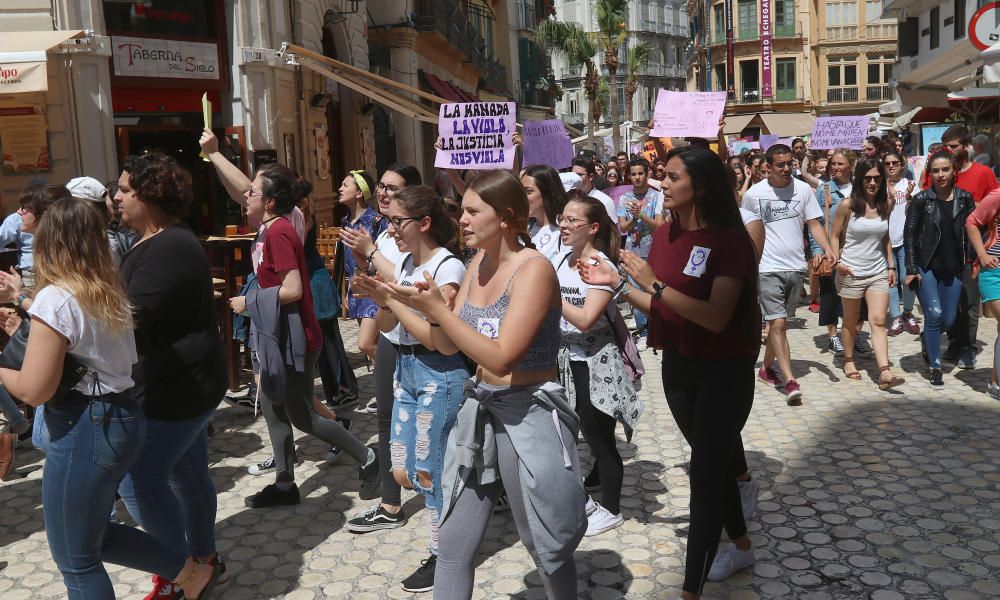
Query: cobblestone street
x=864 y=494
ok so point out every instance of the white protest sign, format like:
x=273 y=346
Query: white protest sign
x=476 y=135
x=688 y=114
x=839 y=132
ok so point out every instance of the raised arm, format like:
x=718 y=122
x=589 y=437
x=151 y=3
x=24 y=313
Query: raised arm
x=233 y=179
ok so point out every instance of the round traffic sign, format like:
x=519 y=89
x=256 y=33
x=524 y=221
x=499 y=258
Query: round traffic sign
x=984 y=27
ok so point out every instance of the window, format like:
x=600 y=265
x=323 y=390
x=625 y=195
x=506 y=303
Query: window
x=873 y=10
x=841 y=79
x=909 y=36
x=841 y=14
x=747 y=19
x=719 y=84
x=935 y=27
x=784 y=18
x=784 y=79
x=879 y=74
x=959 y=23
x=719 y=23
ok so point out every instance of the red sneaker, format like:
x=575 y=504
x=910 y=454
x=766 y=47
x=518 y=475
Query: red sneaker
x=164 y=589
x=769 y=376
x=793 y=394
x=911 y=324
x=814 y=307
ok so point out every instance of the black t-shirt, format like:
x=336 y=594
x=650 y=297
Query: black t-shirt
x=947 y=257
x=181 y=372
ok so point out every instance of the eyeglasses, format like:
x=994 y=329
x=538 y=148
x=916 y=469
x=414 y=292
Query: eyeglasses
x=389 y=189
x=571 y=221
x=872 y=178
x=253 y=192
x=398 y=222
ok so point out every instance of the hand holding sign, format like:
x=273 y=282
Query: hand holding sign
x=476 y=135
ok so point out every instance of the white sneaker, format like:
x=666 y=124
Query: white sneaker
x=371 y=408
x=602 y=520
x=262 y=467
x=640 y=343
x=748 y=497
x=728 y=561
x=591 y=506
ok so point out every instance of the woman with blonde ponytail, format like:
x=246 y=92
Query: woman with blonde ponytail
x=93 y=434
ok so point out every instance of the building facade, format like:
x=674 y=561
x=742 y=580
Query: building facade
x=819 y=57
x=661 y=23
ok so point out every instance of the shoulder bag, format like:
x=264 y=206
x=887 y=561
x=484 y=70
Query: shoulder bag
x=12 y=357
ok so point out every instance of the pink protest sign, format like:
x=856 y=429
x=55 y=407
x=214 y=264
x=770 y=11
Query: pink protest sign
x=547 y=143
x=688 y=114
x=839 y=132
x=476 y=135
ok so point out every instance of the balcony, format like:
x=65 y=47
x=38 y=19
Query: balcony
x=577 y=118
x=448 y=19
x=719 y=38
x=748 y=35
x=842 y=95
x=846 y=33
x=881 y=31
x=745 y=95
x=878 y=93
x=787 y=30
x=789 y=95
x=571 y=72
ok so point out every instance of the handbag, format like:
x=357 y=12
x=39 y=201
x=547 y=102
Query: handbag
x=825 y=268
x=626 y=344
x=12 y=357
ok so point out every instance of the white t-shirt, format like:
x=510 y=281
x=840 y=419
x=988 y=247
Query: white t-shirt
x=897 y=218
x=387 y=247
x=547 y=241
x=609 y=204
x=110 y=355
x=574 y=290
x=444 y=266
x=784 y=212
x=748 y=217
x=639 y=239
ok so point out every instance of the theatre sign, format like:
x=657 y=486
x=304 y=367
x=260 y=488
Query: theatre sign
x=174 y=59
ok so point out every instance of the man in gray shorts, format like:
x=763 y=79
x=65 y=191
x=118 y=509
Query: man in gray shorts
x=784 y=204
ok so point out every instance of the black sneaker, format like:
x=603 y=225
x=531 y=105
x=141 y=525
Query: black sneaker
x=376 y=518
x=937 y=381
x=371 y=479
x=272 y=496
x=422 y=579
x=341 y=402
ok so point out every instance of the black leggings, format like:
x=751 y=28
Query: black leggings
x=334 y=369
x=599 y=431
x=385 y=372
x=830 y=310
x=710 y=401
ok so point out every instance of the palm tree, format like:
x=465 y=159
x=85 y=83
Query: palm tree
x=638 y=58
x=575 y=44
x=610 y=35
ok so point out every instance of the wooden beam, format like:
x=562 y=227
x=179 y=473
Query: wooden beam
x=402 y=105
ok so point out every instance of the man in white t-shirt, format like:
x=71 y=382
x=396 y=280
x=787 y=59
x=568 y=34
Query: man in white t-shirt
x=585 y=169
x=640 y=212
x=784 y=204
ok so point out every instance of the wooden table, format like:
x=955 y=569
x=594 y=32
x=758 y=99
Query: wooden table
x=229 y=259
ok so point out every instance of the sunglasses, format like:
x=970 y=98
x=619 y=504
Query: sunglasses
x=892 y=163
x=872 y=178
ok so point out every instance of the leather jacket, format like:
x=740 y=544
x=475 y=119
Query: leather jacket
x=923 y=227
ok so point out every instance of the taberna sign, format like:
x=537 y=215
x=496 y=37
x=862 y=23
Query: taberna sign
x=172 y=59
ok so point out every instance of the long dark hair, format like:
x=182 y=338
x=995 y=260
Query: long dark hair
x=607 y=238
x=858 y=202
x=550 y=185
x=714 y=200
x=409 y=173
x=422 y=201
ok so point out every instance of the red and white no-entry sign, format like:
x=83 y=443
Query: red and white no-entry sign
x=984 y=28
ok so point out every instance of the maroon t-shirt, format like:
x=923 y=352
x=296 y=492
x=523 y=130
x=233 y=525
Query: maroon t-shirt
x=689 y=262
x=283 y=252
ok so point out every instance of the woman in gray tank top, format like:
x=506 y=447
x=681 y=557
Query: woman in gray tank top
x=515 y=431
x=865 y=269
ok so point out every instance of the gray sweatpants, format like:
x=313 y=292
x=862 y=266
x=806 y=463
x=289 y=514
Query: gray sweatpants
x=296 y=409
x=462 y=532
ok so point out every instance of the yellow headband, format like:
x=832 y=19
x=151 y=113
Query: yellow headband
x=362 y=184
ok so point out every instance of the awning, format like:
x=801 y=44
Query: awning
x=788 y=124
x=737 y=123
x=446 y=89
x=991 y=63
x=929 y=84
x=378 y=88
x=23 y=59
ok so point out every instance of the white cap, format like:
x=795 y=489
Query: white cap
x=87 y=188
x=570 y=181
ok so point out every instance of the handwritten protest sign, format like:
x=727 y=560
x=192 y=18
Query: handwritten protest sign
x=766 y=141
x=476 y=135
x=839 y=132
x=738 y=147
x=688 y=114
x=546 y=143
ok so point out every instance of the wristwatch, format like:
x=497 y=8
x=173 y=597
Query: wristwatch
x=659 y=287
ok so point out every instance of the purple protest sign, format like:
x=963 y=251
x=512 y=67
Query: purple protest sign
x=839 y=132
x=688 y=114
x=766 y=141
x=546 y=143
x=476 y=135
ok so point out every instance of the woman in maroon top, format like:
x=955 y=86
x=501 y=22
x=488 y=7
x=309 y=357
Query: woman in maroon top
x=700 y=290
x=273 y=194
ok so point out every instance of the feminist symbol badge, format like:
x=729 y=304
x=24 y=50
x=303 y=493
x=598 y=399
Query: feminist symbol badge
x=697 y=261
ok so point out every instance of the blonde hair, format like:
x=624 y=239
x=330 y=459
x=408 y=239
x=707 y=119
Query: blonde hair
x=72 y=252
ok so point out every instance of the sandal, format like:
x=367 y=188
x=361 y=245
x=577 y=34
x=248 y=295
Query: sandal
x=856 y=375
x=885 y=385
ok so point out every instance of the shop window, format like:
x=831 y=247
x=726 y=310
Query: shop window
x=187 y=18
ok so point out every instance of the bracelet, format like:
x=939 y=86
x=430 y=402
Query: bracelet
x=20 y=300
x=371 y=255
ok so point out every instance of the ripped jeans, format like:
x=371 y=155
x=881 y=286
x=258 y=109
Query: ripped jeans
x=428 y=390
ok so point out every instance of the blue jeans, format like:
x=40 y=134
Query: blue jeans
x=939 y=297
x=909 y=295
x=15 y=418
x=641 y=320
x=90 y=446
x=169 y=490
x=429 y=389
